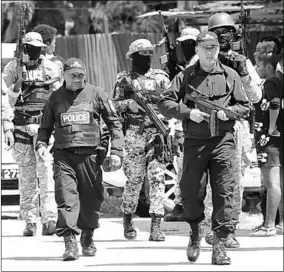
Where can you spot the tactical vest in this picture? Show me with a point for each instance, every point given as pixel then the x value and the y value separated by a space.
pixel 35 92
pixel 76 125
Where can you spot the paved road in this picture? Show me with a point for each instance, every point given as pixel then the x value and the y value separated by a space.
pixel 43 253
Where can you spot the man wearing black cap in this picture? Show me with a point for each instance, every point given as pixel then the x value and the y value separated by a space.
pixel 74 112
pixel 202 150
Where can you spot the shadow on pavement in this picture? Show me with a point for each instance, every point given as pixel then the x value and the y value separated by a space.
pixel 33 258
pixel 205 249
pixel 146 264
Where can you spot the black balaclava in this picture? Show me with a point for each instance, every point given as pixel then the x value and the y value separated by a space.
pixel 188 49
pixel 33 51
pixel 142 63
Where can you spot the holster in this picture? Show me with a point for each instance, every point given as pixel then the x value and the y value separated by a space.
pixel 22 137
pixel 213 123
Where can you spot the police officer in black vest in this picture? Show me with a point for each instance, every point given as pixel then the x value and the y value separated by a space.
pixel 74 112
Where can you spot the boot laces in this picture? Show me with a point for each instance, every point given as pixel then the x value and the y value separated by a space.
pixel 220 248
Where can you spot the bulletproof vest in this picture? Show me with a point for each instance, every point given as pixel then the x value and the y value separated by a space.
pixel 76 125
pixel 34 97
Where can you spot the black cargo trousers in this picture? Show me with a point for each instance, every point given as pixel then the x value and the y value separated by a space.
pixel 217 156
pixel 79 192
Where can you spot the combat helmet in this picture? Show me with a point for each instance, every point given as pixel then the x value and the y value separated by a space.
pixel 139 45
pixel 188 33
pixel 219 20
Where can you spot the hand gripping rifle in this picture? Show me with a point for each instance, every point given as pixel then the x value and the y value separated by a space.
pixel 201 99
pixel 244 19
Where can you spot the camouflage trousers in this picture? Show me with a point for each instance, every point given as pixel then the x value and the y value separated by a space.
pixel 177 191
pixel 243 147
pixel 35 180
pixel 136 170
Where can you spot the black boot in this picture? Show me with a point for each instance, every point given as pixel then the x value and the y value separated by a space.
pixel 175 215
pixel 193 248
pixel 30 229
pixel 49 228
pixel 87 243
pixel 155 232
pixel 71 248
pixel 219 255
pixel 129 230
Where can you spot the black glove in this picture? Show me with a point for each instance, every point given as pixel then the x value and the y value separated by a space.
pixel 102 152
pixel 241 65
pixel 235 61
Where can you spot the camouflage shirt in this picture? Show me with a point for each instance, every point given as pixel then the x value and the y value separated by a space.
pixel 152 83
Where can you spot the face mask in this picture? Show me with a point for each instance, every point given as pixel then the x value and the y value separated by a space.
pixel 188 49
pixel 33 51
pixel 143 62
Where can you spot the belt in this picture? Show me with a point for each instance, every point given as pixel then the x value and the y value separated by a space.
pixel 22 121
pixel 27 117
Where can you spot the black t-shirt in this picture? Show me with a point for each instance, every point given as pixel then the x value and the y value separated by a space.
pixel 272 96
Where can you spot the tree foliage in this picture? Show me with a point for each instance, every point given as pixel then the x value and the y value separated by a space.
pixel 86 16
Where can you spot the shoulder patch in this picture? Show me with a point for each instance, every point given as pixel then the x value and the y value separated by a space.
pixel 122 74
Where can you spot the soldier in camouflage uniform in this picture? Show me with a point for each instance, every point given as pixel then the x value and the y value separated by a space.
pixel 223 25
pixel 32 84
pixel 139 162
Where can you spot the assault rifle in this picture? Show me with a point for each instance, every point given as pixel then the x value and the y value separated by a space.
pixel 170 58
pixel 245 19
pixel 201 99
pixel 20 53
pixel 163 143
pixel 142 102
